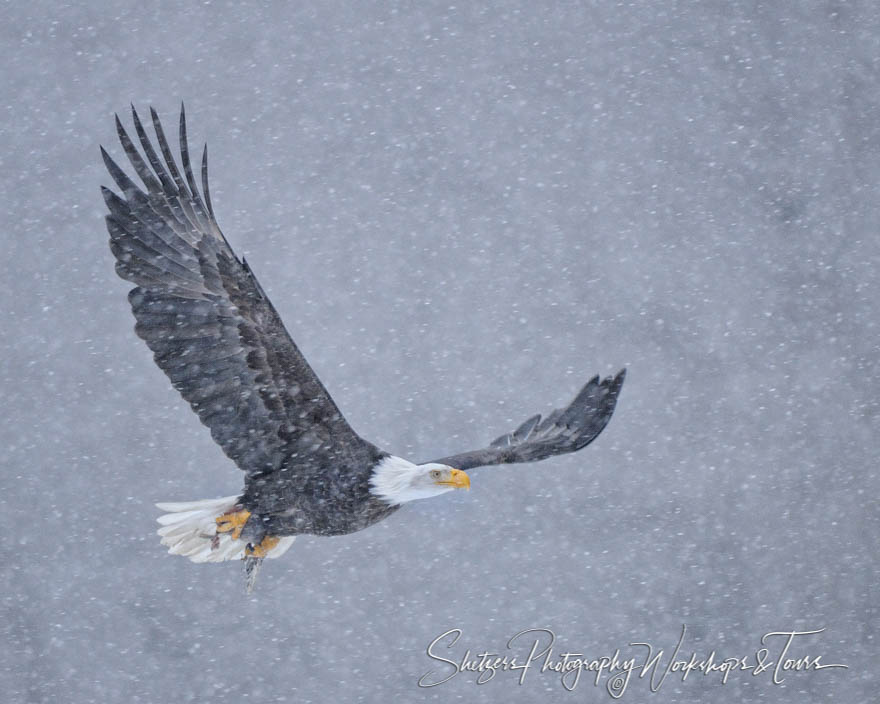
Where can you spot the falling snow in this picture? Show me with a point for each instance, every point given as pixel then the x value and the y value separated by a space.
pixel 462 213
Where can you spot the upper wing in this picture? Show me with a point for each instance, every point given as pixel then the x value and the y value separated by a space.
pixel 564 430
pixel 209 324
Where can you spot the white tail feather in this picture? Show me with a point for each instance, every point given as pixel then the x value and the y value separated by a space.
pixel 190 529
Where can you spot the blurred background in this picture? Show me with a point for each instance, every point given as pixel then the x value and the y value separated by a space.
pixel 462 213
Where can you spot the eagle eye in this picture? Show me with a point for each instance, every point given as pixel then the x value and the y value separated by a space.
pixel 435 473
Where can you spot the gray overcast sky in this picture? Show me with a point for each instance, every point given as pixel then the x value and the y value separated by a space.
pixel 462 213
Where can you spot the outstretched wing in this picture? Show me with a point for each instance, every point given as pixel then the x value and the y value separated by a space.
pixel 564 430
pixel 209 324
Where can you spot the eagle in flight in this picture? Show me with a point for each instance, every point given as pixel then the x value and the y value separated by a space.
pixel 217 336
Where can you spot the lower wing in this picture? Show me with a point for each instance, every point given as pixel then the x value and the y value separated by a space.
pixel 564 430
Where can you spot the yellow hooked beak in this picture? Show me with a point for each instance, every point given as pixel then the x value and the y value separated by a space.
pixel 457 480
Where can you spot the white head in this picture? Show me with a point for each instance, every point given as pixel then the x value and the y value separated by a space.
pixel 396 481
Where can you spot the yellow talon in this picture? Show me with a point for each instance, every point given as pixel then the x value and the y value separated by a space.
pixel 261 550
pixel 233 521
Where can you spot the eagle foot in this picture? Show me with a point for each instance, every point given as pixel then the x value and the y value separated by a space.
pixel 261 550
pixel 232 522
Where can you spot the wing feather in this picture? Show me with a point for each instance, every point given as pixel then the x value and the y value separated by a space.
pixel 204 221
pixel 168 184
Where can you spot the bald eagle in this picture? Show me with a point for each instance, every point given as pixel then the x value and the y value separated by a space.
pixel 214 332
